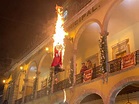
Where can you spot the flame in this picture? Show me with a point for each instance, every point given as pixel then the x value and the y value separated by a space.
pixel 59 32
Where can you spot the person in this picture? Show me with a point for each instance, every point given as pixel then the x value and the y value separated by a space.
pixel 89 64
pixel 88 73
pixel 83 68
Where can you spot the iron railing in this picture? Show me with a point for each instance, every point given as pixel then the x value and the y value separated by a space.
pixel 43 92
pixel 62 85
pixel 115 65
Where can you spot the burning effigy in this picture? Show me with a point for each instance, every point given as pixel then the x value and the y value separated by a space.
pixel 58 45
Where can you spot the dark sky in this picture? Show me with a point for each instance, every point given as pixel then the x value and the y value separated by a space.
pixel 22 24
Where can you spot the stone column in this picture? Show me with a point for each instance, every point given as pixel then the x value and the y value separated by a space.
pixel 11 92
pixel 5 96
pixel 36 82
pixel 74 66
pixel 52 81
pixel 24 89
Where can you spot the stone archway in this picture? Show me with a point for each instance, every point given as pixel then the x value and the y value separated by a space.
pixel 108 14
pixel 31 78
pixel 83 27
pixel 92 98
pixel 128 94
pixel 119 86
pixel 44 70
pixel 86 43
pixel 90 94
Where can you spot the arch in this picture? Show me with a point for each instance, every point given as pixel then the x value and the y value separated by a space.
pixel 43 70
pixel 82 28
pixel 108 13
pixel 29 66
pixel 41 60
pixel 80 96
pixel 30 78
pixel 119 86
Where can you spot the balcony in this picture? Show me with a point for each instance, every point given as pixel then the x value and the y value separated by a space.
pixel 116 66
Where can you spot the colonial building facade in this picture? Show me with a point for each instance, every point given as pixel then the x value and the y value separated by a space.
pixel 106 33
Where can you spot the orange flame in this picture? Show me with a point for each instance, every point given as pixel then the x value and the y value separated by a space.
pixel 59 32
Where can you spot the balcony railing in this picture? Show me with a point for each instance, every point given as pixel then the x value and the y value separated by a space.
pixel 124 62
pixel 115 65
pixel 62 85
pixel 43 92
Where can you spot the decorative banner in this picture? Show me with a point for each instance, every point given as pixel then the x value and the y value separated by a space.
pixel 87 76
pixel 128 61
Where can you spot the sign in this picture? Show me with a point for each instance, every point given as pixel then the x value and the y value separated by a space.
pixel 128 61
pixel 87 76
pixel 80 19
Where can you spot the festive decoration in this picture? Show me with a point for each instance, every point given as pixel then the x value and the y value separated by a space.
pixel 103 48
pixel 71 72
pixel 50 82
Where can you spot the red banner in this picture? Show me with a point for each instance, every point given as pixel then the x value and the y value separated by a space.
pixel 128 61
pixel 87 76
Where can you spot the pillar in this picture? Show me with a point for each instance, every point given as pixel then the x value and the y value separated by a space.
pixel 24 90
pixel 104 55
pixel 5 96
pixel 36 82
pixel 104 52
pixel 74 66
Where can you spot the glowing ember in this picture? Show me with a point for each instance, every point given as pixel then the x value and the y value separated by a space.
pixel 59 33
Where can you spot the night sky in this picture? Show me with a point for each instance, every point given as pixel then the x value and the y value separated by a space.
pixel 22 26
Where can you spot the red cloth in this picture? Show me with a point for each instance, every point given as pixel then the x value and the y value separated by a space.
pixel 57 60
pixel 87 75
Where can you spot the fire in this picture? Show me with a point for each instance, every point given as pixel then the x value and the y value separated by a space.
pixel 59 32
